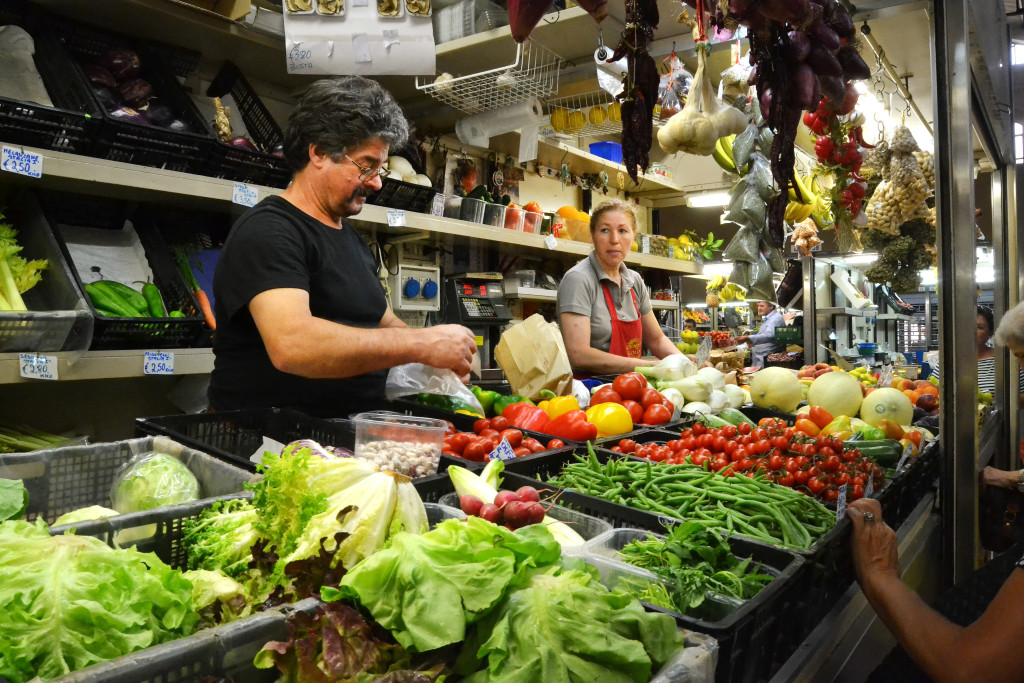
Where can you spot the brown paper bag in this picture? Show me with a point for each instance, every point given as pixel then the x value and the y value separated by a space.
pixel 533 357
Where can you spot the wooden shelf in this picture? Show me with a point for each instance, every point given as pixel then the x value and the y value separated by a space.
pixel 661 305
pixel 893 316
pixel 849 312
pixel 107 364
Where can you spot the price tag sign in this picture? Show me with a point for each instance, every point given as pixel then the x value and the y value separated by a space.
pixel 907 450
pixel 37 366
pixel 841 503
pixel 14 160
pixel 246 195
pixel 704 351
pixel 437 207
pixel 301 58
pixel 158 363
pixel 503 451
pixel 671 251
pixel 550 242
pixel 396 218
pixel 645 244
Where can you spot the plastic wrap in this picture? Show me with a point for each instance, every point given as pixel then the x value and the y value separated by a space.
pixel 743 246
pixel 150 480
pixel 417 378
pixel 741 274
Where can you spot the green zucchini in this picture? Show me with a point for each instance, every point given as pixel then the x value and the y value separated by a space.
pixel 713 421
pixel 884 452
pixel 735 417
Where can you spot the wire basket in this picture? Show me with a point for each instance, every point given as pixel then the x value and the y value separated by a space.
pixel 532 74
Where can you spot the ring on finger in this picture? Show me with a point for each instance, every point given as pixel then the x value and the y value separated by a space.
pixel 868 517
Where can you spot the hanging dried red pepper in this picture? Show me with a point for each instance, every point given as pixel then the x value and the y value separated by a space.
pixel 640 93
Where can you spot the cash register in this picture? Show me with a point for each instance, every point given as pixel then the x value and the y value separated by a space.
pixel 477 300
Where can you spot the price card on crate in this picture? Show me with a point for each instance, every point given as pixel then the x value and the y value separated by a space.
pixel 158 363
pixel 869 488
pixel 551 241
pixel 704 351
pixel 396 218
pixel 16 160
pixel 37 366
pixel 907 451
pixel 503 451
pixel 437 206
pixel 244 194
pixel 841 504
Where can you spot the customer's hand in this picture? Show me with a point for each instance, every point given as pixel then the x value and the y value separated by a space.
pixel 875 551
pixel 1002 479
pixel 449 346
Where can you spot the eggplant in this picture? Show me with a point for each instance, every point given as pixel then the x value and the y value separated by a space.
pixel 277 151
pixel 158 113
pixel 108 99
pixel 97 75
pixel 130 115
pixel 178 126
pixel 243 142
pixel 122 64
pixel 854 68
pixel 136 92
pixel 823 62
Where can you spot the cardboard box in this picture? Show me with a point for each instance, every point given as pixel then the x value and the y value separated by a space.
pixel 232 9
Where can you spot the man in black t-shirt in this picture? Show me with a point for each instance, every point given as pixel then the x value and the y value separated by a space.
pixel 302 319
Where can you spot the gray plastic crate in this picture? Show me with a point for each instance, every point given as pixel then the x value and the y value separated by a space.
pixel 60 480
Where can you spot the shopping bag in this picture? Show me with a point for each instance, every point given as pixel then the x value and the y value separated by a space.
pixel 533 357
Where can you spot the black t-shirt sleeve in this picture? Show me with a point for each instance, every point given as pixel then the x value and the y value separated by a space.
pixel 264 255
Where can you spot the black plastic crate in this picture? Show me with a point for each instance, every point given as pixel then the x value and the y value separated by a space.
pixel 130 333
pixel 240 164
pixel 233 436
pixel 907 487
pixel 71 124
pixel 58 316
pixel 756 414
pixel 137 143
pixel 398 194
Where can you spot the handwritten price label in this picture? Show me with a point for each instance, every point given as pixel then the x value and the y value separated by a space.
pixel 550 242
pixel 503 451
pixel 841 503
pixel 300 59
pixel 243 194
pixel 37 366
pixel 158 363
pixel 437 207
pixel 396 218
pixel 14 160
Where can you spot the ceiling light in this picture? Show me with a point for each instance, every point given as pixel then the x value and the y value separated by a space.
pixel 717 269
pixel 861 259
pixel 707 199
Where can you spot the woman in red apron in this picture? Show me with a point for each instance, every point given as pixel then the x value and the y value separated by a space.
pixel 603 307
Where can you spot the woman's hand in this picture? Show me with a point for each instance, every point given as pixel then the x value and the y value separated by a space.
pixel 875 552
pixel 1002 479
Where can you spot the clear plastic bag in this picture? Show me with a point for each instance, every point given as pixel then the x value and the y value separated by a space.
pixel 740 275
pixel 762 288
pixel 743 246
pixel 151 480
pixel 417 378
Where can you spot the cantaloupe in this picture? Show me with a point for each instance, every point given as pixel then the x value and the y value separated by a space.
pixel 776 389
pixel 886 404
pixel 836 392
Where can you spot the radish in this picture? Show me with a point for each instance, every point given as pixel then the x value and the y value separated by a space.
pixel 490 512
pixel 528 494
pixel 517 514
pixel 505 497
pixel 536 512
pixel 471 505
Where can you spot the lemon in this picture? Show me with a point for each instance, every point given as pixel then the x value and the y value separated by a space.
pixel 597 115
pixel 615 111
pixel 560 119
pixel 576 121
pixel 634 246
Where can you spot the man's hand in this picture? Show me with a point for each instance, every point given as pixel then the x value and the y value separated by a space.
pixel 875 550
pixel 1002 479
pixel 449 346
pixel 742 339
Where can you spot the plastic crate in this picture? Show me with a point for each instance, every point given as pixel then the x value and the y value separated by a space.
pixel 136 143
pixel 60 480
pixel 465 18
pixel 906 488
pixel 612 151
pixel 234 436
pixel 756 414
pixel 240 164
pixel 71 124
pixel 398 194
pixel 130 333
pixel 58 317
pixel 747 631
pixel 789 335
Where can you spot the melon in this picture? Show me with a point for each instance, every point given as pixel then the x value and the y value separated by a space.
pixel 836 392
pixel 886 404
pixel 400 166
pixel 776 389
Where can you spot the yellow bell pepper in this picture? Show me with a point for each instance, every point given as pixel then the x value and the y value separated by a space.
pixel 840 424
pixel 559 405
pixel 610 419
pixel 468 412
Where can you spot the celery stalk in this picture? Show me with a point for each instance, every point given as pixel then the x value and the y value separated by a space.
pixel 8 288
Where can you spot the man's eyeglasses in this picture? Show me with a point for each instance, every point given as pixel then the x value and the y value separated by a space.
pixel 366 173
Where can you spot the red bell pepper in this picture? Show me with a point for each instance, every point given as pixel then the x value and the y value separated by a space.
pixel 572 425
pixel 526 416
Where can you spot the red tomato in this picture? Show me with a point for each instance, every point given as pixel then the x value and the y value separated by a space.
pixel 534 445
pixel 636 411
pixel 514 437
pixel 616 449
pixel 555 443
pixel 831 496
pixel 476 450
pixel 458 442
pixel 675 445
pixel 499 423
pixel 449 428
pixel 856 492
pixel 743 428
pixel 787 480
pixel 656 414
pixel 801 477
pixel 481 424
pixel 639 376
pixel 628 445
pixel 488 433
pixel 698 459
pixel 605 395
pixel 780 442
pixel 628 386
pixel 729 432
pixel 826 451
pixel 841 479
pixel 776 462
pixel 718 445
pixel 792 465
pixel 816 485
pixel 521 451
pixel 651 396
pixel 699 429
pixel 819 416
pixel 831 464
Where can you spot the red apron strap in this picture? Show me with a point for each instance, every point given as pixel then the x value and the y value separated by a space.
pixel 627 337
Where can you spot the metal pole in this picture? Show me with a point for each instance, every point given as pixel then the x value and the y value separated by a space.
pixel 1005 397
pixel 954 206
pixel 810 321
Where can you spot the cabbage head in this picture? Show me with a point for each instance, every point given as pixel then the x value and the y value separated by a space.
pixel 151 480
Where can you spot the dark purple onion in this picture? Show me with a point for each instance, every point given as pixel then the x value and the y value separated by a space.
pixel 801 86
pixel 122 64
pixel 823 62
pixel 766 102
pixel 243 142
pixel 158 113
pixel 97 75
pixel 825 36
pixel 801 45
pixel 136 92
pixel 832 87
pixel 854 68
pixel 842 24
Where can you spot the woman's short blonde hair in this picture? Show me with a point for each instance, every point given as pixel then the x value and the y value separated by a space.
pixel 612 205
